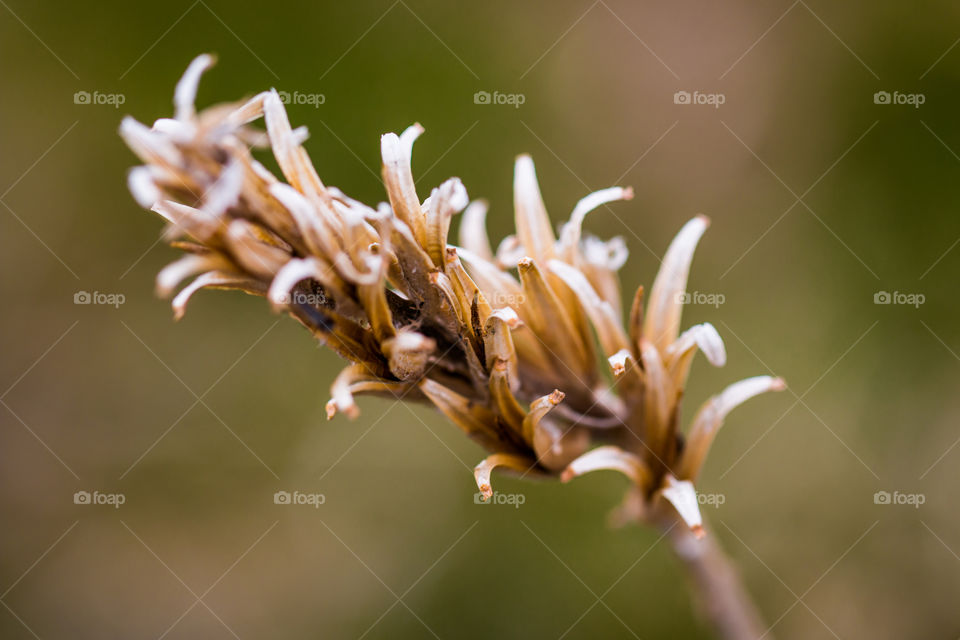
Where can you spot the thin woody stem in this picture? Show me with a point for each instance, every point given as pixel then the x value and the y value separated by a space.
pixel 717 588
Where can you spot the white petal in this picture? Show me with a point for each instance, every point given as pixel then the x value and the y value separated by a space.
pixel 289 276
pixel 683 497
pixel 620 361
pixel 151 146
pixel 482 471
pixel 225 192
pixel 570 236
pixel 141 185
pixel 609 458
pixel 473 230
pixel 610 254
pixel 209 279
pixel 739 392
pixel 532 222
pixel 710 418
pixel 176 272
pixel 662 321
pixel 706 337
pixel 397 153
pixel 186 91
pixel 601 314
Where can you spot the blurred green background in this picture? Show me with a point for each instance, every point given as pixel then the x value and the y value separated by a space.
pixel 820 198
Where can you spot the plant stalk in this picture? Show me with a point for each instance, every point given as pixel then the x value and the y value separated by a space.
pixel 718 590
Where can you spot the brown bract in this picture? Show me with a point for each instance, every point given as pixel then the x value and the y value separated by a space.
pixel 523 348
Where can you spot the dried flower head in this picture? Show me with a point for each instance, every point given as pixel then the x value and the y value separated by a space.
pixel 537 367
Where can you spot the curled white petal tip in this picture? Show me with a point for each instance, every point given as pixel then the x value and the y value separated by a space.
pixel 186 92
pixel 481 472
pixel 570 236
pixel 619 361
pixel 683 496
pixel 706 337
pixel 209 279
pixel 351 410
pixel 611 458
pixel 739 392
pixel 508 316
pixel 287 278
pixel 399 148
pixel 412 132
pixel 176 272
pixel 142 186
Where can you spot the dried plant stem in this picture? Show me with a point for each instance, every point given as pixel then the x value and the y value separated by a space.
pixel 718 590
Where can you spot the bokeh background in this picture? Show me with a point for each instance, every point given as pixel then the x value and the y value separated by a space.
pixel 820 199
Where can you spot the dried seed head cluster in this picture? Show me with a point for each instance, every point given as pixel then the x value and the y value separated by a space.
pixel 523 348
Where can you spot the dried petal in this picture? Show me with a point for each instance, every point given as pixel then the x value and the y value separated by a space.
pixel 662 322
pixel 214 280
pixel 570 235
pixel 473 230
pixel 445 201
pixel 397 153
pixel 533 224
pixel 613 459
pixel 659 397
pixel 605 323
pixel 681 352
pixel 710 418
pixel 190 265
pixel 551 322
pixel 186 92
pixel 683 497
pixel 482 471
